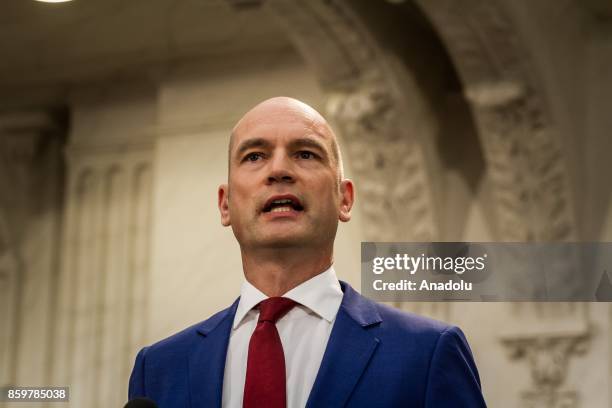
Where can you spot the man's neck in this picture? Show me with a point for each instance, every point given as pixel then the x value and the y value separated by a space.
pixel 275 271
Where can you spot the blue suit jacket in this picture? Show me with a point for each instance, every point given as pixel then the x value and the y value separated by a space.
pixel 377 356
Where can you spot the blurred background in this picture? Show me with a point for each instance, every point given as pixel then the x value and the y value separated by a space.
pixel 465 120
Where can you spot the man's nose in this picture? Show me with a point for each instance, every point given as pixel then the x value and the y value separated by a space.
pixel 281 169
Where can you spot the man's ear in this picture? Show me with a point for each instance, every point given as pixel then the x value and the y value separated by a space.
pixel 223 203
pixel 347 198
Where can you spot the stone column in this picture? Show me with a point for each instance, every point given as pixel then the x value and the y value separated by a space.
pixel 30 176
pixel 104 271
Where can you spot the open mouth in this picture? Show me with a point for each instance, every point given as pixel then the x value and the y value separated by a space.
pixel 283 205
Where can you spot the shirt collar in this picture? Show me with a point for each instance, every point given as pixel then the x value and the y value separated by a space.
pixel 321 294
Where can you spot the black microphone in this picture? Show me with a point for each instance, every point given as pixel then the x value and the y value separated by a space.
pixel 141 403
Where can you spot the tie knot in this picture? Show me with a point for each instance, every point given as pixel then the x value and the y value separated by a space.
pixel 272 309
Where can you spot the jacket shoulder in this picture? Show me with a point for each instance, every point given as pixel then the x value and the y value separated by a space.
pixel 184 337
pixel 409 322
pixel 385 319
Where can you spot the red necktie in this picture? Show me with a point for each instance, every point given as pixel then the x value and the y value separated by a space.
pixel 265 384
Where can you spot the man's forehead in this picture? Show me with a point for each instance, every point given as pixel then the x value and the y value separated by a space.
pixel 282 105
pixel 273 121
pixel 275 112
pixel 267 118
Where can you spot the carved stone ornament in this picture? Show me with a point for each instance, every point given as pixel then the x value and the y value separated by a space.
pixel 387 161
pixel 548 356
pixel 522 148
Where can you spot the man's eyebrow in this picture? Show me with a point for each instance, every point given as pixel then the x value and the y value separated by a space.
pixel 308 142
pixel 263 143
pixel 251 143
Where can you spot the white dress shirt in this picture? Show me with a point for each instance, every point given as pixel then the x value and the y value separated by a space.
pixel 304 332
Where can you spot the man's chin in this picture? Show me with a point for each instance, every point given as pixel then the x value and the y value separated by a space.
pixel 284 244
pixel 280 241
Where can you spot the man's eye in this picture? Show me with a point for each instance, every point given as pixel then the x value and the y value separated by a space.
pixel 306 155
pixel 252 157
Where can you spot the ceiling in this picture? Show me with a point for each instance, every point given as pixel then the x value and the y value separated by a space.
pixel 63 42
pixel 55 45
pixel 601 9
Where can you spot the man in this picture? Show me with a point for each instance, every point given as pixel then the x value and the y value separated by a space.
pixel 297 336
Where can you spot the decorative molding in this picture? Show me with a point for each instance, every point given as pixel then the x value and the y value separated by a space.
pixel 548 355
pixel 387 161
pixel 105 271
pixel 24 139
pixel 26 121
pixel 29 153
pixel 522 148
pixel 8 293
pixel 524 155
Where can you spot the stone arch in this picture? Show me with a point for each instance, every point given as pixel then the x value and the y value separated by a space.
pixel 520 146
pixel 366 105
pixel 522 149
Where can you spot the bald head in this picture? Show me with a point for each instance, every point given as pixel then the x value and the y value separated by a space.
pixel 284 109
pixel 284 149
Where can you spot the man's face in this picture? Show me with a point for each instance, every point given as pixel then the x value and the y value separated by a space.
pixel 284 188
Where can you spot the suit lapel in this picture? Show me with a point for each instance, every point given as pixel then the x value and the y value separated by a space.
pixel 207 359
pixel 350 348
